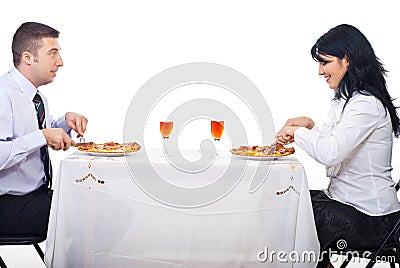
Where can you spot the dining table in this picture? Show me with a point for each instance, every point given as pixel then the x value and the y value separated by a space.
pixel 187 209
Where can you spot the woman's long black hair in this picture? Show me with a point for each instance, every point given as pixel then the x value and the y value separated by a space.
pixel 365 74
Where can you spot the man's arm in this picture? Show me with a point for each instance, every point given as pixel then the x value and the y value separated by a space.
pixel 14 150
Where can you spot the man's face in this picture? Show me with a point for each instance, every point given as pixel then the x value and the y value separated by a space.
pixel 45 65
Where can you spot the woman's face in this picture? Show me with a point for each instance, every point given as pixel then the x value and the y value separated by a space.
pixel 333 69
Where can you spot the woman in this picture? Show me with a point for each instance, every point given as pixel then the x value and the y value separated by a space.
pixel 360 205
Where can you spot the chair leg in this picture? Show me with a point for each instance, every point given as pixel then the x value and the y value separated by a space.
pixel 2 264
pixel 39 251
pixel 346 261
pixel 370 264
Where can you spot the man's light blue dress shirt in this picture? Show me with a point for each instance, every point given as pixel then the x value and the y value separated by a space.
pixel 21 170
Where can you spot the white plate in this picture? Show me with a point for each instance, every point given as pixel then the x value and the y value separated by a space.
pixel 106 154
pixel 257 158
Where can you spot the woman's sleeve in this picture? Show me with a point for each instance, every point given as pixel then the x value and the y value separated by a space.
pixel 360 118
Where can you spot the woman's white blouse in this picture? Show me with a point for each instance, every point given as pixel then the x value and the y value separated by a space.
pixel 355 145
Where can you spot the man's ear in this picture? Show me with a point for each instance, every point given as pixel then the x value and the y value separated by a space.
pixel 27 57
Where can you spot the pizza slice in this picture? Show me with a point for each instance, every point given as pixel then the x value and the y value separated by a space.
pixel 263 151
pixel 110 147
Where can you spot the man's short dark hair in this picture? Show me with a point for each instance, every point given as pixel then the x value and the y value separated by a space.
pixel 28 38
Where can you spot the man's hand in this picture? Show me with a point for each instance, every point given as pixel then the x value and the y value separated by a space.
pixel 77 122
pixel 57 138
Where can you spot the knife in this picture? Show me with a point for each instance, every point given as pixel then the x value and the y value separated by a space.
pixel 81 144
pixel 272 148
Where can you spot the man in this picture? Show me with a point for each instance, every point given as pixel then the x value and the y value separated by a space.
pixel 27 130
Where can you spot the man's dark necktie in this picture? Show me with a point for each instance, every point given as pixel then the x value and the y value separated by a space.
pixel 44 151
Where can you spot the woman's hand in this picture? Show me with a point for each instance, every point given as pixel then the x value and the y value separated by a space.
pixel 285 135
pixel 301 121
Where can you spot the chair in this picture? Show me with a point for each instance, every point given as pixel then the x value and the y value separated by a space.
pixel 8 240
pixel 389 249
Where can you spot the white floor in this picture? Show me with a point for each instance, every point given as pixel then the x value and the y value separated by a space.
pixel 22 256
pixel 26 256
pixel 358 263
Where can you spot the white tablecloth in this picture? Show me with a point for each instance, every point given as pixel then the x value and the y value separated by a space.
pixel 100 217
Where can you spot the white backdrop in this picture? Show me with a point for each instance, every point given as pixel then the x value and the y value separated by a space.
pixel 111 48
